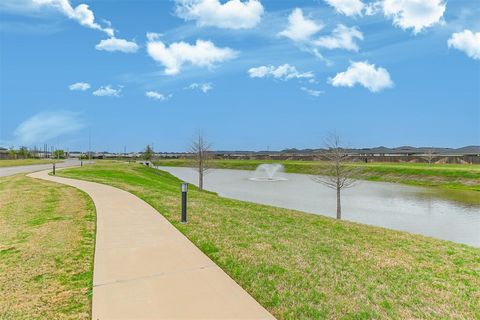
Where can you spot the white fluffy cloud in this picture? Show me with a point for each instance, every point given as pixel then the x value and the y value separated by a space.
pixel 347 7
pixel 108 91
pixel 303 32
pixel 342 38
pixel 204 87
pixel 413 14
pixel 174 56
pixel 283 72
pixel 233 14
pixel 79 86
pixel 47 125
pixel 115 44
pixel 312 92
pixel 154 95
pixel 466 41
pixel 81 13
pixel 365 74
pixel 300 29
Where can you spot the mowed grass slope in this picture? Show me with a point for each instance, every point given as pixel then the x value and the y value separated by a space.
pixel 47 234
pixel 302 266
pixel 452 176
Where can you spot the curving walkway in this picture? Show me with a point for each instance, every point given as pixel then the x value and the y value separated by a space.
pixel 145 268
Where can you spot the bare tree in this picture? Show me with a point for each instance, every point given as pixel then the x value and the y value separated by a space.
pixel 429 155
pixel 201 150
pixel 338 174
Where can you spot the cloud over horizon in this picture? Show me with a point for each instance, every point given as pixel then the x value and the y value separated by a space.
pixel 45 126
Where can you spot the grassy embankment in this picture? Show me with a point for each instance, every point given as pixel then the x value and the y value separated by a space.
pixel 25 162
pixel 302 266
pixel 47 234
pixel 451 176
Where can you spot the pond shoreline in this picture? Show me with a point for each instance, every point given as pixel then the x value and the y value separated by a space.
pixel 442 176
pixel 394 206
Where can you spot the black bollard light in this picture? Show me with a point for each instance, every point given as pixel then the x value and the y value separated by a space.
pixel 54 168
pixel 81 163
pixel 184 202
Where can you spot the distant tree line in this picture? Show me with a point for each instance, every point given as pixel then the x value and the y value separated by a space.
pixel 24 153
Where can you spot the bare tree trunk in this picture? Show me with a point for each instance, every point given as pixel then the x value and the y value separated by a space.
pixel 200 148
pixel 200 169
pixel 339 205
pixel 200 172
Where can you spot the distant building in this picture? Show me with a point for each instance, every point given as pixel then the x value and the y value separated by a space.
pixel 3 153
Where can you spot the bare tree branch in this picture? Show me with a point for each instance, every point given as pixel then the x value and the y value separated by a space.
pixel 429 155
pixel 201 157
pixel 338 174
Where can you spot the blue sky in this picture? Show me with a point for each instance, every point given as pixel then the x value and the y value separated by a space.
pixel 250 75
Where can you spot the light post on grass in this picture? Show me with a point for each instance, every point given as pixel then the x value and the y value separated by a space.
pixel 184 202
pixel 54 168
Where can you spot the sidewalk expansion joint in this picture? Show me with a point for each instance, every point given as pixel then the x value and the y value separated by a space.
pixel 155 275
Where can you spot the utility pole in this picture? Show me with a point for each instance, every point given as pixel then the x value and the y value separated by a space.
pixel 89 145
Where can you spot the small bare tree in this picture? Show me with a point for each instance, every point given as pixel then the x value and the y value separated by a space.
pixel 201 156
pixel 337 175
pixel 429 155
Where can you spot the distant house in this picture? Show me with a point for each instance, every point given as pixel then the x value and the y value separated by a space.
pixel 75 154
pixel 3 153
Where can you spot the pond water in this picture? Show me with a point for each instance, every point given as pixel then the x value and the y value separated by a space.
pixel 389 205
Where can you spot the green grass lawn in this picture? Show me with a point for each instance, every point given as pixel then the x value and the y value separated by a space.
pixel 24 162
pixel 303 266
pixel 452 176
pixel 47 234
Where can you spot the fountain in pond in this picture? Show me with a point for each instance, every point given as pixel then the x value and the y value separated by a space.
pixel 268 172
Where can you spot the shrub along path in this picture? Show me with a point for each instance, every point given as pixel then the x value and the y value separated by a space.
pixel 145 268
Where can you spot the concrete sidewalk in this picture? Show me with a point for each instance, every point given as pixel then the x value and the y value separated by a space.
pixel 146 269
